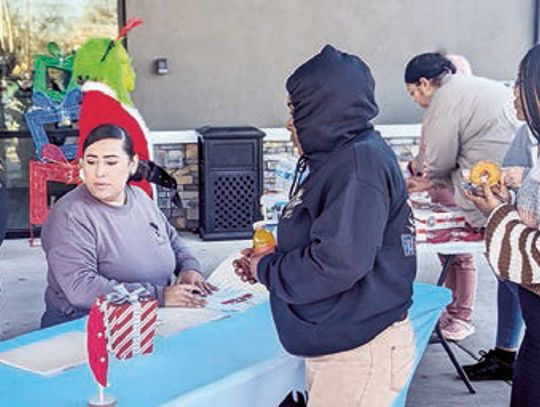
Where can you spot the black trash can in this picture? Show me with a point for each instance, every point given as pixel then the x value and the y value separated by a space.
pixel 230 181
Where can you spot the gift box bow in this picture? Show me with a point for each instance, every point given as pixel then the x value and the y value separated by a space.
pixel 130 319
pixel 121 295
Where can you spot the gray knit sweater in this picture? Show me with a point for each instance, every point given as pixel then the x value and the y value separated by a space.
pixel 91 247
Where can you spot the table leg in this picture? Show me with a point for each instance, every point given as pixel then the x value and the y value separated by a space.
pixel 446 266
pixel 454 361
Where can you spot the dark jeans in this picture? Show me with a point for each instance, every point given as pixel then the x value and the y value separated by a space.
pixel 53 317
pixel 509 319
pixel 526 386
pixel 45 111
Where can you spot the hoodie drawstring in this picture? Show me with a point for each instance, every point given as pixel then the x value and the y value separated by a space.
pixel 301 166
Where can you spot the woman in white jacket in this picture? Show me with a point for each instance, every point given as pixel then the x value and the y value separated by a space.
pixel 467 119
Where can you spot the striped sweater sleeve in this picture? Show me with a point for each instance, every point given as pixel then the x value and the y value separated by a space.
pixel 513 248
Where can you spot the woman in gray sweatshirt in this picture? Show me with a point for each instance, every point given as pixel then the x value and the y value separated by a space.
pixel 106 232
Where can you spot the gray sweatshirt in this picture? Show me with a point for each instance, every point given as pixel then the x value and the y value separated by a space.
pixel 469 119
pixel 91 247
pixel 523 152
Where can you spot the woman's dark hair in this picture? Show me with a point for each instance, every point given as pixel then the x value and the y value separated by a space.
pixel 431 65
pixel 529 88
pixel 110 131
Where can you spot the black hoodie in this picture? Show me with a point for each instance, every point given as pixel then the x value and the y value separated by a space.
pixel 346 260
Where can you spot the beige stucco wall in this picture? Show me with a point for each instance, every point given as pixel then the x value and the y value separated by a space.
pixel 228 59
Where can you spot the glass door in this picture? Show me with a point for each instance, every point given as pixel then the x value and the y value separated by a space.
pixel 27 27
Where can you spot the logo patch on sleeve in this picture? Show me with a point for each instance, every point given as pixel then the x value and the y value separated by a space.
pixel 408 243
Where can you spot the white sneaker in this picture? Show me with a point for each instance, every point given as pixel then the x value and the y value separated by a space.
pixel 457 330
pixel 445 320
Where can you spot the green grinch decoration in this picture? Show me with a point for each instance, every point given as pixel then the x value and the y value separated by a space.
pixel 103 67
pixel 52 73
pixel 106 61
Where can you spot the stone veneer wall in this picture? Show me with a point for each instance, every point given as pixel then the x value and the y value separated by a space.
pixel 181 161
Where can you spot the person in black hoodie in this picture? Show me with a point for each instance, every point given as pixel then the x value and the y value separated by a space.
pixel 340 279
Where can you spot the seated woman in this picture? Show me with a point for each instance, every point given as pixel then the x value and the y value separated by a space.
pixel 106 232
pixel 513 240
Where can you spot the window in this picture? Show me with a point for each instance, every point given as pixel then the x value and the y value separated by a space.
pixel 27 29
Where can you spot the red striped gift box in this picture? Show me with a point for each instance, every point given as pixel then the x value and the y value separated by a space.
pixel 130 320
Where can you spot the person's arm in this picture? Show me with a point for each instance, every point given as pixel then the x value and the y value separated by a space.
pixel 345 239
pixel 70 248
pixel 441 132
pixel 513 248
pixel 518 153
pixel 416 165
pixel 517 160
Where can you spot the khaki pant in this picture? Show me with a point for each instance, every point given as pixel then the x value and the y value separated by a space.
pixel 371 375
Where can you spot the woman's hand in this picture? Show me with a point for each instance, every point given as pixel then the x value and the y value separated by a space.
pixel 412 167
pixel 242 266
pixel 490 199
pixel 501 191
pixel 193 277
pixel 246 266
pixel 183 295
pixel 418 184
pixel 513 176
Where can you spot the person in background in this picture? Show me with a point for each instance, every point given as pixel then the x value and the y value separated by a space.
pixel 340 280
pixel 467 119
pixel 498 363
pixel 461 63
pixel 106 232
pixel 512 240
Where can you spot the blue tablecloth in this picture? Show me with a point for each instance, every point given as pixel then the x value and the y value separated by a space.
pixel 237 361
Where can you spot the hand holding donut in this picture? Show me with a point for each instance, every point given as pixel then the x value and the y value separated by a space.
pixel 485 172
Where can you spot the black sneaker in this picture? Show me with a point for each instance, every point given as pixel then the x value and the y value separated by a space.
pixel 491 366
pixel 289 401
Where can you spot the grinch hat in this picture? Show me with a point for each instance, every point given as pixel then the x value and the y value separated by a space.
pixel 106 60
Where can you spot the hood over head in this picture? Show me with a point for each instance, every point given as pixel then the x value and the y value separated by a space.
pixel 333 99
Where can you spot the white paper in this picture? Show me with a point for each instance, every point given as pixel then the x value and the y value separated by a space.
pixel 231 287
pixel 49 356
pixel 173 320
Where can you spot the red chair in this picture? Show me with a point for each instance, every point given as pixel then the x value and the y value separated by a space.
pixel 39 174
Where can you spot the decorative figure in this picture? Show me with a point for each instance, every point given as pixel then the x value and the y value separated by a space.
pixel 52 73
pixel 104 68
pixel 55 98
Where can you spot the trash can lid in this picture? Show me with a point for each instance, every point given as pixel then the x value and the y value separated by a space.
pixel 209 132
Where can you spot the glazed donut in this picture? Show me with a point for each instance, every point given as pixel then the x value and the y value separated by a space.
pixel 485 171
